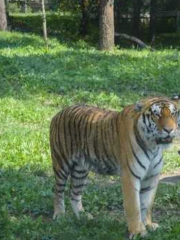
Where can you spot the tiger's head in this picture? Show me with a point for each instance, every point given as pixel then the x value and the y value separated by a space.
pixel 159 119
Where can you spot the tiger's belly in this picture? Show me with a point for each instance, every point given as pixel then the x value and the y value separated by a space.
pixel 104 167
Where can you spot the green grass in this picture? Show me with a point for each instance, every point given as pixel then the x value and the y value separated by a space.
pixel 35 84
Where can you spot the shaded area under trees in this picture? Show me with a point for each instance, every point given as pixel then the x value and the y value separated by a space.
pixel 137 19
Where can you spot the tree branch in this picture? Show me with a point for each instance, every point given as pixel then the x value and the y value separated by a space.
pixel 133 39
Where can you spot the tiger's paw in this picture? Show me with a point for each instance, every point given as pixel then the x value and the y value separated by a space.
pixel 135 235
pixel 140 230
pixel 57 214
pixel 153 226
pixel 89 216
pixel 85 215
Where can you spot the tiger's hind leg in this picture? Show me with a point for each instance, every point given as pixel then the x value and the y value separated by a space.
pixel 78 182
pixel 61 176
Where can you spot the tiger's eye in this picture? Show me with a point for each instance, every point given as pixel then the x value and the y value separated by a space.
pixel 157 115
pixel 173 114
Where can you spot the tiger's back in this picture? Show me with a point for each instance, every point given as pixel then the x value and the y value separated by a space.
pixel 85 135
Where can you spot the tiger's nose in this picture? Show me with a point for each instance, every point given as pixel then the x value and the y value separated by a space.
pixel 168 130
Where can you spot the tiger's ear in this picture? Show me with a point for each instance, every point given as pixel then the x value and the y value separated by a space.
pixel 138 106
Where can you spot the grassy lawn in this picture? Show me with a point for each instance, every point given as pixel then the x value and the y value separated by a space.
pixel 35 83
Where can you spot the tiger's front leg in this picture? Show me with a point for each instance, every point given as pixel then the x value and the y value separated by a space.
pixel 132 206
pixel 147 196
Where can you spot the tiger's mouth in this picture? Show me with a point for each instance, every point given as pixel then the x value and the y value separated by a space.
pixel 166 140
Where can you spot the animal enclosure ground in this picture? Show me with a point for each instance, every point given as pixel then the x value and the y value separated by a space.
pixel 35 84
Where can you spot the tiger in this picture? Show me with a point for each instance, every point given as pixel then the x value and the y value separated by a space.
pixel 128 143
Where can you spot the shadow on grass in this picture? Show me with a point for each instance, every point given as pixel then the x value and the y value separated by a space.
pixel 26 210
pixel 18 41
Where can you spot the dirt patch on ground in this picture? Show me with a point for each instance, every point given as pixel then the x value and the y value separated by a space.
pixel 170 179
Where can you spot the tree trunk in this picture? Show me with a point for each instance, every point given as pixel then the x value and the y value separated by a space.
pixel 106 25
pixel 152 29
pixel 8 18
pixel 44 23
pixel 3 18
pixel 136 17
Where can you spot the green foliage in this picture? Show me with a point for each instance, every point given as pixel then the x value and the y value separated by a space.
pixel 13 8
pixel 63 25
pixel 35 84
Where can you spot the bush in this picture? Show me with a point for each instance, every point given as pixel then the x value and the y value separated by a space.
pixel 13 8
pixel 66 25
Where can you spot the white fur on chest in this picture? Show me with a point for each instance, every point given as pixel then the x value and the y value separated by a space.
pixel 156 164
